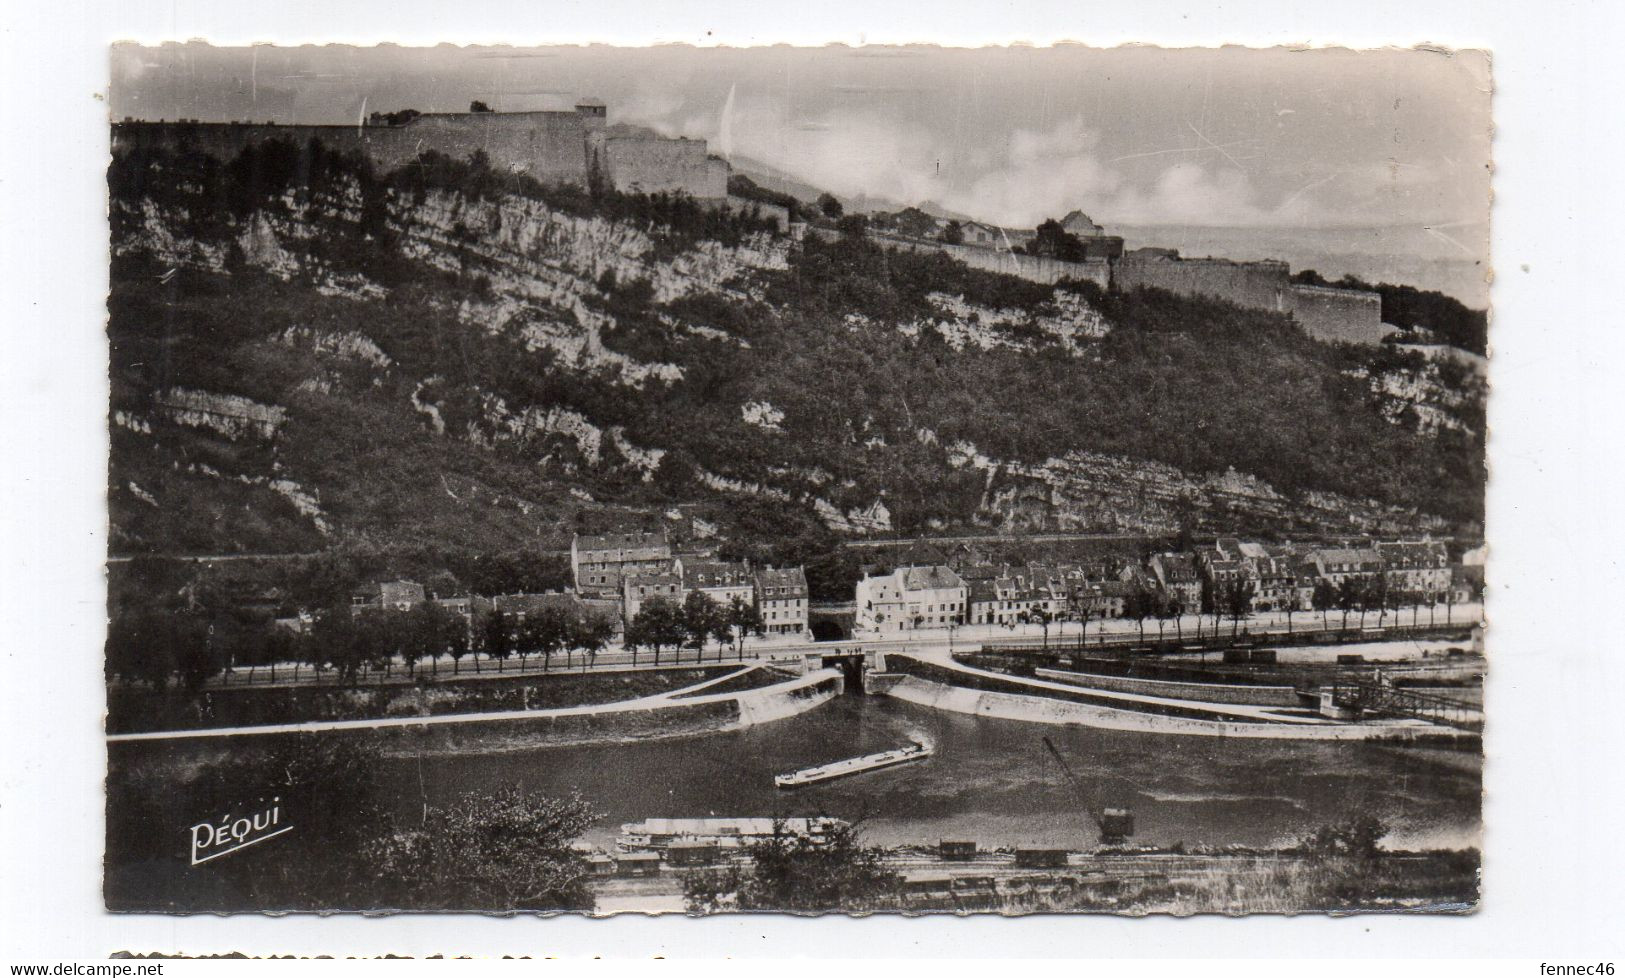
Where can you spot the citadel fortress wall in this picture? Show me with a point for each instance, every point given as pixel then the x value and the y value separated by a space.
pixel 1331 314
pixel 566 146
pixel 553 147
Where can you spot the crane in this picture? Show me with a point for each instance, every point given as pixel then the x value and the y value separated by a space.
pixel 1116 825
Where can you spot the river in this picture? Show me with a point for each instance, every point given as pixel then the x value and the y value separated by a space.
pixel 990 780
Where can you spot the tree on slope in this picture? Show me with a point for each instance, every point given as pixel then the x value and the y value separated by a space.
pixel 798 874
pixel 508 851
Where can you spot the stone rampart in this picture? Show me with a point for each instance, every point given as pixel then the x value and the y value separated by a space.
pixel 648 163
pixel 1337 315
pixel 1045 271
pixel 553 147
pixel 550 146
pixel 1254 285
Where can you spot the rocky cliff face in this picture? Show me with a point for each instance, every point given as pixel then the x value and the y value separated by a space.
pixel 498 369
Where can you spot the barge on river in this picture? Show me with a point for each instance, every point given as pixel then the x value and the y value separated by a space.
pixel 854 765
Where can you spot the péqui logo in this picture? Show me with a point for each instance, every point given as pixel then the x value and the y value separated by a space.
pixel 211 840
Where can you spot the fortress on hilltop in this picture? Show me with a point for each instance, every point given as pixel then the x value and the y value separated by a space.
pixel 553 146
pixel 578 146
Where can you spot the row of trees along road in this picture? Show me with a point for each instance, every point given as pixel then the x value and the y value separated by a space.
pixel 1233 600
pixel 1376 594
pixel 154 646
pixel 662 624
pixel 1141 603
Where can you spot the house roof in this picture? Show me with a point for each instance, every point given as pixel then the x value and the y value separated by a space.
pixel 528 604
pixel 1079 219
pixel 392 592
pixel 786 577
pixel 927 578
pixel 715 573
pixel 1176 568
pixel 984 589
pixel 1347 555
pixel 621 541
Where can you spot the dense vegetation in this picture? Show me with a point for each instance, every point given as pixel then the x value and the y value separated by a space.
pixel 867 406
pixel 1443 318
pixel 1337 867
pixel 505 851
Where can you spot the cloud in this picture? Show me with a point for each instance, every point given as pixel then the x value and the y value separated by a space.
pixel 1041 174
pixel 1038 173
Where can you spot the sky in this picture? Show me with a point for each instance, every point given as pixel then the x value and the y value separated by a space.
pixel 1276 141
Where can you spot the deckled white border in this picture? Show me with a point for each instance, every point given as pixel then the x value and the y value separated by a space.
pixel 1557 338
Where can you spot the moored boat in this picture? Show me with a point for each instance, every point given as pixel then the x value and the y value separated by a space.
pixel 854 765
pixel 726 833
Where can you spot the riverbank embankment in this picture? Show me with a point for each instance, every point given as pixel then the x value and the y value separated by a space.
pixel 947 685
pixel 667 714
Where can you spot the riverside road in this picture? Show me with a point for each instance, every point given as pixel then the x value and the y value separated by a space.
pixel 1272 629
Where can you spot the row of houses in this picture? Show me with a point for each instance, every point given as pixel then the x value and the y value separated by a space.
pixel 634 568
pixel 975 591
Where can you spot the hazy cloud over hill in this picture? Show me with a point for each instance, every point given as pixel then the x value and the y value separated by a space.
pixel 1141 136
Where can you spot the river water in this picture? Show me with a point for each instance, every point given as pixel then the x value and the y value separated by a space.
pixel 990 780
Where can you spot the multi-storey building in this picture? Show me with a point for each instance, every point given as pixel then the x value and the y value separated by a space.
pixel 781 597
pixel 1176 574
pixel 721 581
pixel 1338 564
pixel 599 563
pixel 1276 584
pixel 639 589
pixel 1421 566
pixel 910 598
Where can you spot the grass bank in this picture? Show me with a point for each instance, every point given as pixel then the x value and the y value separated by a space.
pixel 139 709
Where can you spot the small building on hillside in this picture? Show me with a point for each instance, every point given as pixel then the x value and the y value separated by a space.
pixel 1080 224
pixel 911 598
pixel 781 597
pixel 388 596
pixel 979 235
pixel 599 562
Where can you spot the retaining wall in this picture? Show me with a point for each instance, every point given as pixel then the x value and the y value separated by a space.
pixel 649 718
pixel 1038 709
pixel 1199 692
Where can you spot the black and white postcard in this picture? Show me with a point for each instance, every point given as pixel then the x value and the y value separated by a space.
pixel 863 479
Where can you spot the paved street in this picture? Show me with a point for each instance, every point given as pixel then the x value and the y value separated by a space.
pixel 959 639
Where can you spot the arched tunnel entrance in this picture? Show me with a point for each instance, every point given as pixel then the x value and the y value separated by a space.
pixel 831 622
pixel 828 631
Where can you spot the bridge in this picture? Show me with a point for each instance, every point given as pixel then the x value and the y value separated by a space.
pixel 1384 700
